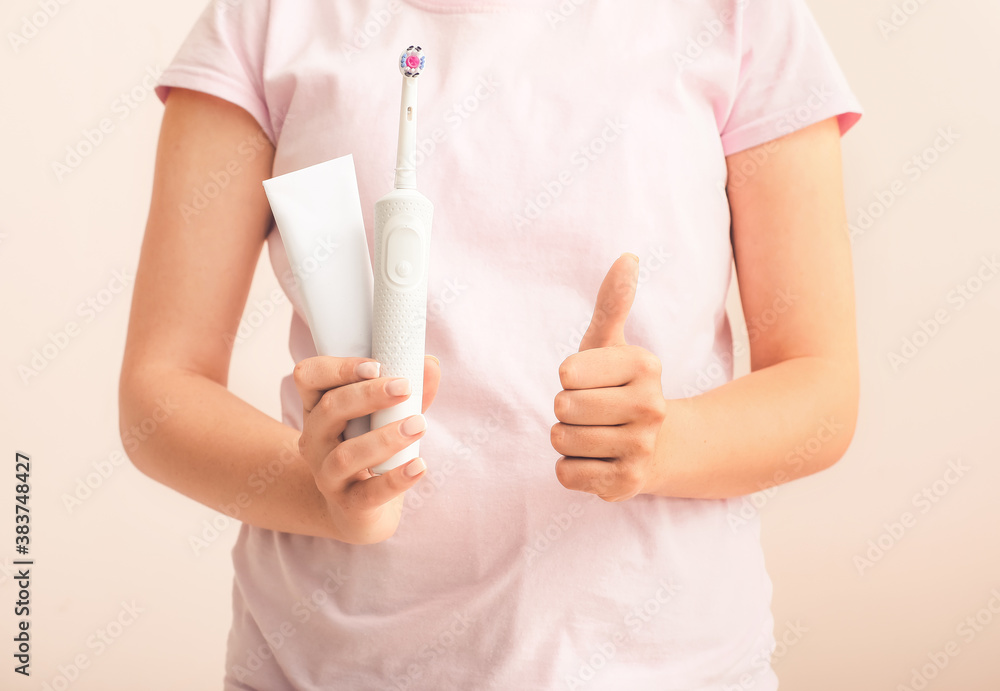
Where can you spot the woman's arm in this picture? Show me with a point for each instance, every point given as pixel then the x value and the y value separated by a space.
pixel 794 414
pixel 194 275
pixel 179 423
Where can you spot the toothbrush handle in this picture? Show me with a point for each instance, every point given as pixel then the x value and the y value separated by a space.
pixel 399 311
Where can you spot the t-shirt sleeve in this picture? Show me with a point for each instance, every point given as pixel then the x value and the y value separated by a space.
pixel 223 55
pixel 788 76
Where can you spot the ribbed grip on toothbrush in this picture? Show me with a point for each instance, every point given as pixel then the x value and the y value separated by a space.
pixel 399 311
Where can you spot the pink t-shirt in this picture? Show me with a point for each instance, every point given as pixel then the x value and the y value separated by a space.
pixel 554 137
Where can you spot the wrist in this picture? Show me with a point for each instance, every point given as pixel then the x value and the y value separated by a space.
pixel 667 456
pixel 311 507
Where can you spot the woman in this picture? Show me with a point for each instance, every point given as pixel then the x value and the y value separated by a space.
pixel 578 517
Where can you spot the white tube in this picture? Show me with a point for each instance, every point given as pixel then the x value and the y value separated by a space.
pixel 316 209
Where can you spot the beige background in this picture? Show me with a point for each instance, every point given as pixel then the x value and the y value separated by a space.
pixel 61 242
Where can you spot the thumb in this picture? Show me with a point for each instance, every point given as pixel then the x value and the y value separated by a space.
pixel 614 300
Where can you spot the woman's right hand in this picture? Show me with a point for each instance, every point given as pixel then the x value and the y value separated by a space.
pixel 363 509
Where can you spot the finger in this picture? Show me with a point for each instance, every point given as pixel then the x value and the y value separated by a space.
pixel 327 420
pixel 602 367
pixel 610 480
pixel 614 300
pixel 370 449
pixel 316 375
pixel 614 405
pixel 432 379
pixel 592 441
pixel 381 489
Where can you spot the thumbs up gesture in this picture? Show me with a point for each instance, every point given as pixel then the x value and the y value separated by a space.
pixel 611 410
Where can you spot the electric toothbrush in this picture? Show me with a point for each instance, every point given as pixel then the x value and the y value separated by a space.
pixel 402 252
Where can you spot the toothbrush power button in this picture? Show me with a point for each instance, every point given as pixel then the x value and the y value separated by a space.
pixel 403 256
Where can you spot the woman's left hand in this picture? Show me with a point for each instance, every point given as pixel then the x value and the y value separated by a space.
pixel 611 411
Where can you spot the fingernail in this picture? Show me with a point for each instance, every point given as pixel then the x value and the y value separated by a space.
pixel 413 425
pixel 630 255
pixel 415 467
pixel 398 387
pixel 367 370
pixel 435 358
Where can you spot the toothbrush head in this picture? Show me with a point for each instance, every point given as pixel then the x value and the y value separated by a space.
pixel 411 61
